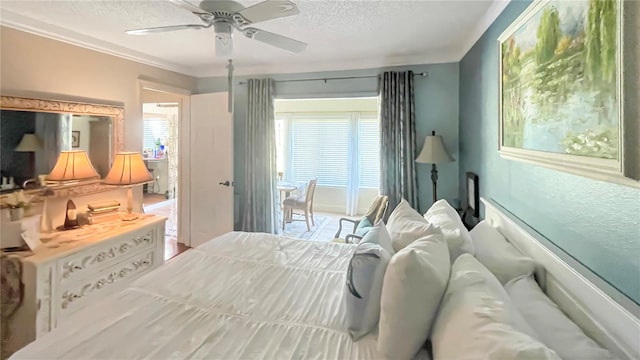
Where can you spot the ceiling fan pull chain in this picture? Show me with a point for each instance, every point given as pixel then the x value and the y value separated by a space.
pixel 230 85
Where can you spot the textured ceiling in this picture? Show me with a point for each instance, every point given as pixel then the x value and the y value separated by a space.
pixel 340 34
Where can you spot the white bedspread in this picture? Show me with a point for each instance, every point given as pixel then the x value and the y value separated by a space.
pixel 239 296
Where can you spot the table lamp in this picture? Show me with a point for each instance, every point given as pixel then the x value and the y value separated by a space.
pixel 434 152
pixel 71 167
pixel 30 143
pixel 128 170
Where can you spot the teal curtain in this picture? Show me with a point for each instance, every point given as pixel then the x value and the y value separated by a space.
pixel 261 207
pixel 398 139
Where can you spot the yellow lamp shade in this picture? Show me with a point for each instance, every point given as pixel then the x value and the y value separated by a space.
pixel 128 169
pixel 73 165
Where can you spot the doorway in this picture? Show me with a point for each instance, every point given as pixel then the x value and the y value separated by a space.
pixel 161 114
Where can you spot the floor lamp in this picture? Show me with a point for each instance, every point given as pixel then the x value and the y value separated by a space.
pixel 434 152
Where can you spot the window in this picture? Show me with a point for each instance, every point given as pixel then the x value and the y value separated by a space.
pixel 319 149
pixel 155 129
pixel 320 138
pixel 369 152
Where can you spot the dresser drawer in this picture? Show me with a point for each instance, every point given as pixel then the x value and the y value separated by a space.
pixel 83 264
pixel 74 296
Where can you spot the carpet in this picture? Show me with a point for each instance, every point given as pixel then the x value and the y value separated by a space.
pixel 298 229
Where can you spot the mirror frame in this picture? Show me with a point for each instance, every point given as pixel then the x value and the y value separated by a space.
pixel 76 108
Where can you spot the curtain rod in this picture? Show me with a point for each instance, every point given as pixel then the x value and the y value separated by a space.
pixel 423 74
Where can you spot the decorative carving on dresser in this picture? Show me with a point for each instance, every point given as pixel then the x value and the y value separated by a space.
pixel 73 267
pixel 44 318
pixel 134 266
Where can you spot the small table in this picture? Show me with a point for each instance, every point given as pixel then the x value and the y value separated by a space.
pixel 287 189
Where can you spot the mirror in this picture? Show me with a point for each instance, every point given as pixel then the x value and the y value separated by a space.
pixel 34 131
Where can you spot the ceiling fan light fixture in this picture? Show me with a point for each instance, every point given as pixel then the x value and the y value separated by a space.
pixel 222 28
pixel 225 16
pixel 224 45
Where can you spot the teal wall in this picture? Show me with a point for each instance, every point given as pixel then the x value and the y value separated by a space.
pixel 436 99
pixel 595 222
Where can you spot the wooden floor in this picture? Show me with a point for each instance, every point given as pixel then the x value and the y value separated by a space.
pixel 173 248
pixel 149 199
pixel 171 245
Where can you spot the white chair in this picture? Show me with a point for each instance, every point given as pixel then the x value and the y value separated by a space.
pixel 375 213
pixel 302 202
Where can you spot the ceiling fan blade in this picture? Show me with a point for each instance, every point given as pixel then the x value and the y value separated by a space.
pixel 270 9
pixel 160 29
pixel 276 40
pixel 224 45
pixel 188 6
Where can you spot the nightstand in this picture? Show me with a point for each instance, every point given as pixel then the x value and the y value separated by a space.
pixel 86 265
pixel 464 216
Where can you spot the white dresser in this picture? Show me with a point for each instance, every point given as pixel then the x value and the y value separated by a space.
pixel 90 263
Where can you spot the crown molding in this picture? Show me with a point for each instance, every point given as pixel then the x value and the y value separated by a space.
pixel 36 27
pixel 432 57
pixel 481 26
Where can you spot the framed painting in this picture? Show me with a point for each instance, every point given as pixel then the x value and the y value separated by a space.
pixel 561 90
pixel 75 139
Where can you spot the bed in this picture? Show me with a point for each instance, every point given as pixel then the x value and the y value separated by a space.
pixel 251 295
pixel 258 295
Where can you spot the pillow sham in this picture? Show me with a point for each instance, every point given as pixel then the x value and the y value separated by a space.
pixel 414 282
pixel 498 255
pixel 405 225
pixel 379 234
pixel 447 219
pixel 556 330
pixel 364 287
pixel 475 321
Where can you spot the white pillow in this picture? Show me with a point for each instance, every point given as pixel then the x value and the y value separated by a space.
pixel 405 225
pixel 556 330
pixel 364 287
pixel 379 235
pixel 413 285
pixel 499 256
pixel 447 219
pixel 475 322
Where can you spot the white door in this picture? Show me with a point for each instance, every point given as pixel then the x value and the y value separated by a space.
pixel 211 167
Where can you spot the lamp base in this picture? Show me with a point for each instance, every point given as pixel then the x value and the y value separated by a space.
pixel 129 217
pixel 434 180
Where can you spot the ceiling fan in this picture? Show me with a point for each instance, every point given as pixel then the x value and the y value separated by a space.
pixel 226 15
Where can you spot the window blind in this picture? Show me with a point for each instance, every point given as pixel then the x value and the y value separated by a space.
pixel 319 148
pixel 155 129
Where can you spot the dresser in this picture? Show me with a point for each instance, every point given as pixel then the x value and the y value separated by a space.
pixel 75 268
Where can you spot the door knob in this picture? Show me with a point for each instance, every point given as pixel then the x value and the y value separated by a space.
pixel 226 183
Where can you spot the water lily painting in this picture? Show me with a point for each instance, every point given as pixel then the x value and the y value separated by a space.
pixel 560 84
